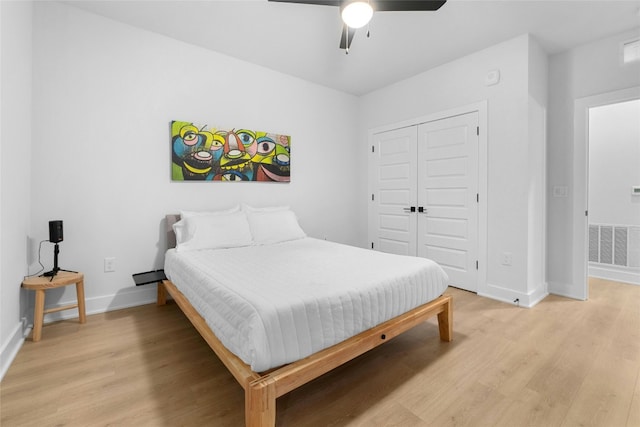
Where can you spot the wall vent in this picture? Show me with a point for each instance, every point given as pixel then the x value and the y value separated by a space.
pixel 620 246
pixel 615 245
pixel 594 247
pixel 633 251
pixel 606 244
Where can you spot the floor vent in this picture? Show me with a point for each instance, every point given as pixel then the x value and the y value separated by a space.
pixel 613 244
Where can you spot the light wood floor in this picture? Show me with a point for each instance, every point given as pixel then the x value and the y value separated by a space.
pixel 562 363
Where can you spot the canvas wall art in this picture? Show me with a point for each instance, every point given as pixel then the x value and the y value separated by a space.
pixel 201 153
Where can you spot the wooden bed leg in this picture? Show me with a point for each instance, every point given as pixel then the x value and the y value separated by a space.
pixel 445 321
pixel 260 403
pixel 162 294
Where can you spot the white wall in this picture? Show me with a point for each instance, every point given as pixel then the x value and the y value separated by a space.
pixel 614 163
pixel 536 160
pixel 461 83
pixel 15 171
pixel 104 94
pixel 586 70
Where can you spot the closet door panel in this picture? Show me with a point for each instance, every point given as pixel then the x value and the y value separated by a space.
pixel 447 191
pixel 392 227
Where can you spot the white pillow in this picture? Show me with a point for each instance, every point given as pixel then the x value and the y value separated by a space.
pixel 215 231
pixel 179 228
pixel 274 226
pixel 186 214
pixel 249 209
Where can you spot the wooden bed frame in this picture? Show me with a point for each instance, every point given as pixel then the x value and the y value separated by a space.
pixel 262 389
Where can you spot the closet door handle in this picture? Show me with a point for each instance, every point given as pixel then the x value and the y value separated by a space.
pixel 411 209
pixel 421 209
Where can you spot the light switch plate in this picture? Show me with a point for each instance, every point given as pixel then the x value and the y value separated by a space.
pixel 560 191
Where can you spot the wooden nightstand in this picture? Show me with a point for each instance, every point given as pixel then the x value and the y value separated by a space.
pixel 41 284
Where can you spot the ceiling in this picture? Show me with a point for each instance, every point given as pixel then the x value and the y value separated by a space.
pixel 302 40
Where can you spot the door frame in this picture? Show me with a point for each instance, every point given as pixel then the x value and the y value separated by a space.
pixel 580 254
pixel 483 122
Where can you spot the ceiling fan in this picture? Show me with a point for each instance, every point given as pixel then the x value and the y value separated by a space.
pixel 357 13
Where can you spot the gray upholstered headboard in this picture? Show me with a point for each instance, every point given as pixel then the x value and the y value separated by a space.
pixel 171 236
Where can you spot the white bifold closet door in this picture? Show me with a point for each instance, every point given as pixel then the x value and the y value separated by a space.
pixel 394 191
pixel 424 199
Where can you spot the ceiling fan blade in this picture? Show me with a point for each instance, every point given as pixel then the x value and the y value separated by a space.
pixel 407 5
pixel 378 5
pixel 343 41
pixel 320 2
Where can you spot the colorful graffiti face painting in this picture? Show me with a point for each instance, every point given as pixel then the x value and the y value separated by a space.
pixel 209 154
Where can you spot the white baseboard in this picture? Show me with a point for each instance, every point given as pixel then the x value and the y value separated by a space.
pixel 12 346
pixel 128 297
pixel 617 274
pixel 527 300
pixel 567 290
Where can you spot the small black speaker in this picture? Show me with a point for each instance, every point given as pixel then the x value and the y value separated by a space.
pixel 55 231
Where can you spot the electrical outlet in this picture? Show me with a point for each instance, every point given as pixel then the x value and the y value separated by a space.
pixel 507 258
pixel 109 265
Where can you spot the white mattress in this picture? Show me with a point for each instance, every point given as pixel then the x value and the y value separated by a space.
pixel 274 304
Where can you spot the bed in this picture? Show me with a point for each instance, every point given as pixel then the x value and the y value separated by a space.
pixel 280 313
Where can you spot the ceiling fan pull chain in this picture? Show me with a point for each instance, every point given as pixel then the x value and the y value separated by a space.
pixel 368 25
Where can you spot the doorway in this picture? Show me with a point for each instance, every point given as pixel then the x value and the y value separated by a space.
pixel 580 247
pixel 614 192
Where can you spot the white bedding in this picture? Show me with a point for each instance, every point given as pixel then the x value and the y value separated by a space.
pixel 274 304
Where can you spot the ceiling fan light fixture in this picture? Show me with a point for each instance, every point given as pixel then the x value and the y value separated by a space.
pixel 357 14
